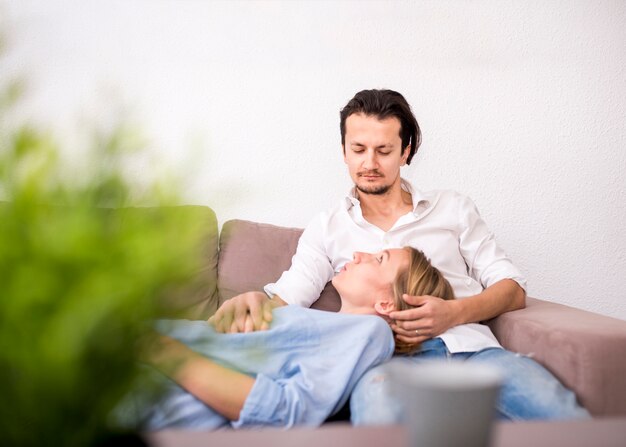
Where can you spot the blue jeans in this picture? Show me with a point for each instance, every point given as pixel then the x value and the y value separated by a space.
pixel 529 390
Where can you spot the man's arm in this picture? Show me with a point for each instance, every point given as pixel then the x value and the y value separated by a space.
pixel 488 264
pixel 221 388
pixel 433 316
pixel 504 296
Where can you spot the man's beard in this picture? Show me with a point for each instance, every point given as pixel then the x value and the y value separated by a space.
pixel 374 190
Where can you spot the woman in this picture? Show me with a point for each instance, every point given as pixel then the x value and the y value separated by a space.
pixel 300 371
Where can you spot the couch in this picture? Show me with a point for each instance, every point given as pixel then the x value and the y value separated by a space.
pixel 586 351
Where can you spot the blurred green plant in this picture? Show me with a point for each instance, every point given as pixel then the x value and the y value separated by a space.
pixel 80 277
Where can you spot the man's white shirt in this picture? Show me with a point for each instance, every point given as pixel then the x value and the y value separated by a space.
pixel 445 225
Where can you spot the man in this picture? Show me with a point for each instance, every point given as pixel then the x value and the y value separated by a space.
pixel 379 135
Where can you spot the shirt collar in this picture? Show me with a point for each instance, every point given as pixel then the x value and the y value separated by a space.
pixel 418 197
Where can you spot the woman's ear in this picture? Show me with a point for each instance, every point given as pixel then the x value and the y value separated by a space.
pixel 384 306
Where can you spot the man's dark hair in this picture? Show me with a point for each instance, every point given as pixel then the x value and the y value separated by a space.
pixel 385 104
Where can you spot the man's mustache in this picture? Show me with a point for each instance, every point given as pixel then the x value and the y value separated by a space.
pixel 375 172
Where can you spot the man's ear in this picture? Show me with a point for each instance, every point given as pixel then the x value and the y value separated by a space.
pixel 343 149
pixel 405 154
pixel 384 306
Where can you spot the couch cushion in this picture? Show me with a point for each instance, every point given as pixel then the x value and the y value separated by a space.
pixel 254 254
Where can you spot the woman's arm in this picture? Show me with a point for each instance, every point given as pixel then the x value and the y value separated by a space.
pixel 221 388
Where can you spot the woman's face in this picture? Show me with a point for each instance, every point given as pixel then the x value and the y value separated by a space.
pixel 368 278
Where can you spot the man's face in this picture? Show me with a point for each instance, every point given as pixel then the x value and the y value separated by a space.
pixel 373 152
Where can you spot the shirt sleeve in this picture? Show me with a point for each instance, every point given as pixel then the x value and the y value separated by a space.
pixel 310 269
pixel 487 263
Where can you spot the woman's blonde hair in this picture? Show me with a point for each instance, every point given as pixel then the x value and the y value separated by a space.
pixel 420 278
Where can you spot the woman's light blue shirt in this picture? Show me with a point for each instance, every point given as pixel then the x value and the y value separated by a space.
pixel 305 367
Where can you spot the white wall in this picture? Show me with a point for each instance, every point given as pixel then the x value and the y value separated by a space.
pixel 522 106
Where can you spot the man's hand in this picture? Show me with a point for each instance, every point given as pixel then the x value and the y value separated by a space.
pixel 432 316
pixel 248 312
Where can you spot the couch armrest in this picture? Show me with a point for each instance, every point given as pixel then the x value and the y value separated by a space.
pixel 586 351
pixel 197 298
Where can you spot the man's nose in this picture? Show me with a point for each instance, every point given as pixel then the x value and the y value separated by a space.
pixel 370 162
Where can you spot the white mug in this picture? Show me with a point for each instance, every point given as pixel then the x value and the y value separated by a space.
pixel 446 403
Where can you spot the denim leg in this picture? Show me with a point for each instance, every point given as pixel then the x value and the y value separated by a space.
pixel 529 390
pixel 372 402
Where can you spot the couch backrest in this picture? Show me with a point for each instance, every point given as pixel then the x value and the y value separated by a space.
pixel 249 256
pixel 254 254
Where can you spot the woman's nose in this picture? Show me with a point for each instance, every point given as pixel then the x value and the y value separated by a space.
pixel 359 256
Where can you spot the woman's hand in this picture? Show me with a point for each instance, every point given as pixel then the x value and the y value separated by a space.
pixel 248 312
pixel 219 387
pixel 164 353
